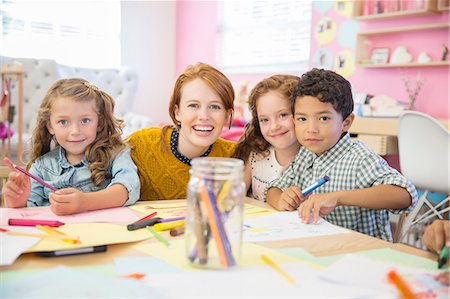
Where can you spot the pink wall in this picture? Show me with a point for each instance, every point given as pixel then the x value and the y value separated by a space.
pixel 196 41
pixel 434 96
pixel 195 33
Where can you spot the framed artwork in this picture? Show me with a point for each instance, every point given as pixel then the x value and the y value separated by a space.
pixel 379 55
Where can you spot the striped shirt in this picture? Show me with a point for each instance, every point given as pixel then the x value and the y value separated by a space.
pixel 350 165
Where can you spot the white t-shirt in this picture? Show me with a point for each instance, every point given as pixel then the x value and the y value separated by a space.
pixel 264 170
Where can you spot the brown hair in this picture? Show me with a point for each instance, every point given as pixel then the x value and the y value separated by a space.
pixel 252 140
pixel 212 77
pixel 108 142
pixel 328 87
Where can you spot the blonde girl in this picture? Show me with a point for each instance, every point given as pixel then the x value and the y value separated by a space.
pixel 76 147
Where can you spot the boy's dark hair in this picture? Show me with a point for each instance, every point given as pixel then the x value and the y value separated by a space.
pixel 328 87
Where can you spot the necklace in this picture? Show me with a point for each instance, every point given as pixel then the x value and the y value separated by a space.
pixel 180 156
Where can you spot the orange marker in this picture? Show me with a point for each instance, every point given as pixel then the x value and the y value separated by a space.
pixel 403 289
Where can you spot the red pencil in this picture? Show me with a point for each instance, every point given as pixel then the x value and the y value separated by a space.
pixel 146 217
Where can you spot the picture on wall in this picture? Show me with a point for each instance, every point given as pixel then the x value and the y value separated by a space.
pixel 379 55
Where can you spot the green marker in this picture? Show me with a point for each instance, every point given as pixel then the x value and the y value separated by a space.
pixel 158 236
pixel 443 257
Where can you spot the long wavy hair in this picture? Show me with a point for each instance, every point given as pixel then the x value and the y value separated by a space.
pixel 252 140
pixel 108 142
pixel 213 78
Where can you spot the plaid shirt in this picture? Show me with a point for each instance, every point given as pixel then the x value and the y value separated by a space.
pixel 350 165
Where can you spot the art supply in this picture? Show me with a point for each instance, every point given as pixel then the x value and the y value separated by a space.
pixel 316 185
pixel 443 257
pixel 94 249
pixel 213 230
pixel 35 235
pixel 158 236
pixel 50 230
pixel 168 225
pixel 277 268
pixel 147 217
pixel 34 177
pixel 403 289
pixel 172 219
pixel 177 231
pixel 34 222
pixel 144 223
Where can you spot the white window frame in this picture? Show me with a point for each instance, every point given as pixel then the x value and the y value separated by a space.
pixel 78 33
pixel 264 36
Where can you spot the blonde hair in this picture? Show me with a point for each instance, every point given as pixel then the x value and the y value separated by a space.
pixel 108 142
pixel 252 140
pixel 213 78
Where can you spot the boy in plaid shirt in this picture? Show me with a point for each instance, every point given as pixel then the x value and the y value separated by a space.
pixel 362 186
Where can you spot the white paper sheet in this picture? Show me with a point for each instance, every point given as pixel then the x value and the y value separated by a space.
pixel 11 247
pixel 286 225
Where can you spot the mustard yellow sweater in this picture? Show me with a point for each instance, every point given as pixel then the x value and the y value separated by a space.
pixel 161 174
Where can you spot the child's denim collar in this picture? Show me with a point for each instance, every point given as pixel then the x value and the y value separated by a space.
pixel 66 164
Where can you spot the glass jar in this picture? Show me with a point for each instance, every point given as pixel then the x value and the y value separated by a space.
pixel 214 218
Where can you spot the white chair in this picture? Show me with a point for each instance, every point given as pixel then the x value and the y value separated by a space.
pixel 424 159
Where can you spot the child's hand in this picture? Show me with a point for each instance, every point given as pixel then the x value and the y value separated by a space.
pixel 436 235
pixel 443 277
pixel 17 189
pixel 290 199
pixel 320 204
pixel 67 201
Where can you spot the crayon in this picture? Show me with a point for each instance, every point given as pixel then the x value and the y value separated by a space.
pixel 34 222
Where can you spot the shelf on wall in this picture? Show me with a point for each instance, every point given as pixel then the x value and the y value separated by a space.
pixel 430 7
pixel 386 65
pixel 365 37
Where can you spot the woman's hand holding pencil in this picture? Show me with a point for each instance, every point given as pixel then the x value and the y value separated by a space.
pixel 16 190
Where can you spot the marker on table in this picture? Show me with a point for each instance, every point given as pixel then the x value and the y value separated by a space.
pixel 144 223
pixel 34 177
pixel 403 289
pixel 315 185
pixel 34 222
pixel 443 257
pixel 168 225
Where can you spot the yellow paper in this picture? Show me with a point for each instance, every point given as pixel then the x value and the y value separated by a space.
pixel 175 254
pixel 91 234
pixel 255 211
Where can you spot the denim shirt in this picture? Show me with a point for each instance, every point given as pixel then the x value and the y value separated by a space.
pixel 54 169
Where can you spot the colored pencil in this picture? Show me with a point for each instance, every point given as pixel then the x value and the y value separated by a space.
pixel 277 268
pixel 35 235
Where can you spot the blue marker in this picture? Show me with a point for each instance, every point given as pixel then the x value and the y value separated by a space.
pixel 316 185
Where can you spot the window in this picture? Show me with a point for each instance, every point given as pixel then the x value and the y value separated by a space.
pixel 79 33
pixel 264 36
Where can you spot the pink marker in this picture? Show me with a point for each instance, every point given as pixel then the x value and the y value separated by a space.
pixel 34 222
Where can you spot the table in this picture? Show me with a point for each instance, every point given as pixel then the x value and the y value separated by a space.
pixel 317 246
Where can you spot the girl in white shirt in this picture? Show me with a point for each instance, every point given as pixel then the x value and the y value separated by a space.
pixel 268 145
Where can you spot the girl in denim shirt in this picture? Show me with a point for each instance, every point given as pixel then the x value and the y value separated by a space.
pixel 77 148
